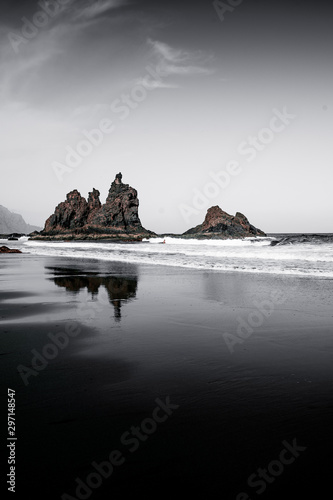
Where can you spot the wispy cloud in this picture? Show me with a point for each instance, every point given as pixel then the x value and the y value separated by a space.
pixel 94 9
pixel 172 69
pixel 156 84
pixel 179 62
pixel 167 52
pixel 32 55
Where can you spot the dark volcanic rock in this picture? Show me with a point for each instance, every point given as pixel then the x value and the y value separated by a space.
pixel 78 217
pixel 220 224
pixel 94 204
pixel 93 200
pixel 8 250
pixel 120 209
pixel 70 214
pixel 308 239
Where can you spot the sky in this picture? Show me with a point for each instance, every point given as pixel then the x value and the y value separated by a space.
pixel 197 103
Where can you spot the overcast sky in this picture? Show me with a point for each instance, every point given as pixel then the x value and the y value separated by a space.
pixel 196 94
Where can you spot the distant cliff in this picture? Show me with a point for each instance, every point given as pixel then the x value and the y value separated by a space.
pixel 14 223
pixel 219 224
pixel 78 218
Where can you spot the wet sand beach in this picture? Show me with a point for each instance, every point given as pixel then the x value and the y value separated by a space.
pixel 155 376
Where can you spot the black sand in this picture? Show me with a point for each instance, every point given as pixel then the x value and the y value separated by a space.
pixel 141 334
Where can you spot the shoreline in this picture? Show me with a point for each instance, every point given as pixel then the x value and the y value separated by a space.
pixel 169 265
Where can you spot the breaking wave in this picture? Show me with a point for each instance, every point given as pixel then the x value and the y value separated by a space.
pixel 301 255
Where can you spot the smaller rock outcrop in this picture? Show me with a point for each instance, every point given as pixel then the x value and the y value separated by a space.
pixel 220 224
pixel 4 249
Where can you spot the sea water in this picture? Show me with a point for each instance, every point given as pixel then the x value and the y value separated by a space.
pixel 300 255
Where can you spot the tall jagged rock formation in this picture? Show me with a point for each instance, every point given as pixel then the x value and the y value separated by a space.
pixel 219 224
pixel 121 208
pixel 117 217
pixel 94 205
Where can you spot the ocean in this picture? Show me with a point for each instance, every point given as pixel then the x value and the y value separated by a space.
pixel 281 254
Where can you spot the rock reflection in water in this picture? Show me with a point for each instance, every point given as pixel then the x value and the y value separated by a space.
pixel 120 289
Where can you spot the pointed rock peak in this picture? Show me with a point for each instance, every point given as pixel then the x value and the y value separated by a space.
pixel 94 195
pixel 214 213
pixel 74 199
pixel 93 199
pixel 118 187
pixel 118 183
pixel 73 194
pixel 118 178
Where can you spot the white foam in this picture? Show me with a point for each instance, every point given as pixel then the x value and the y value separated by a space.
pixel 262 241
pixel 222 255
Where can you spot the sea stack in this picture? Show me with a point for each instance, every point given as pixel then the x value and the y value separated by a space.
pixel 220 225
pixel 77 218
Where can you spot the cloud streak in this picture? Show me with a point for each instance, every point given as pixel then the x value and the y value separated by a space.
pixel 95 9
pixel 155 84
pixel 179 62
pixel 23 57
